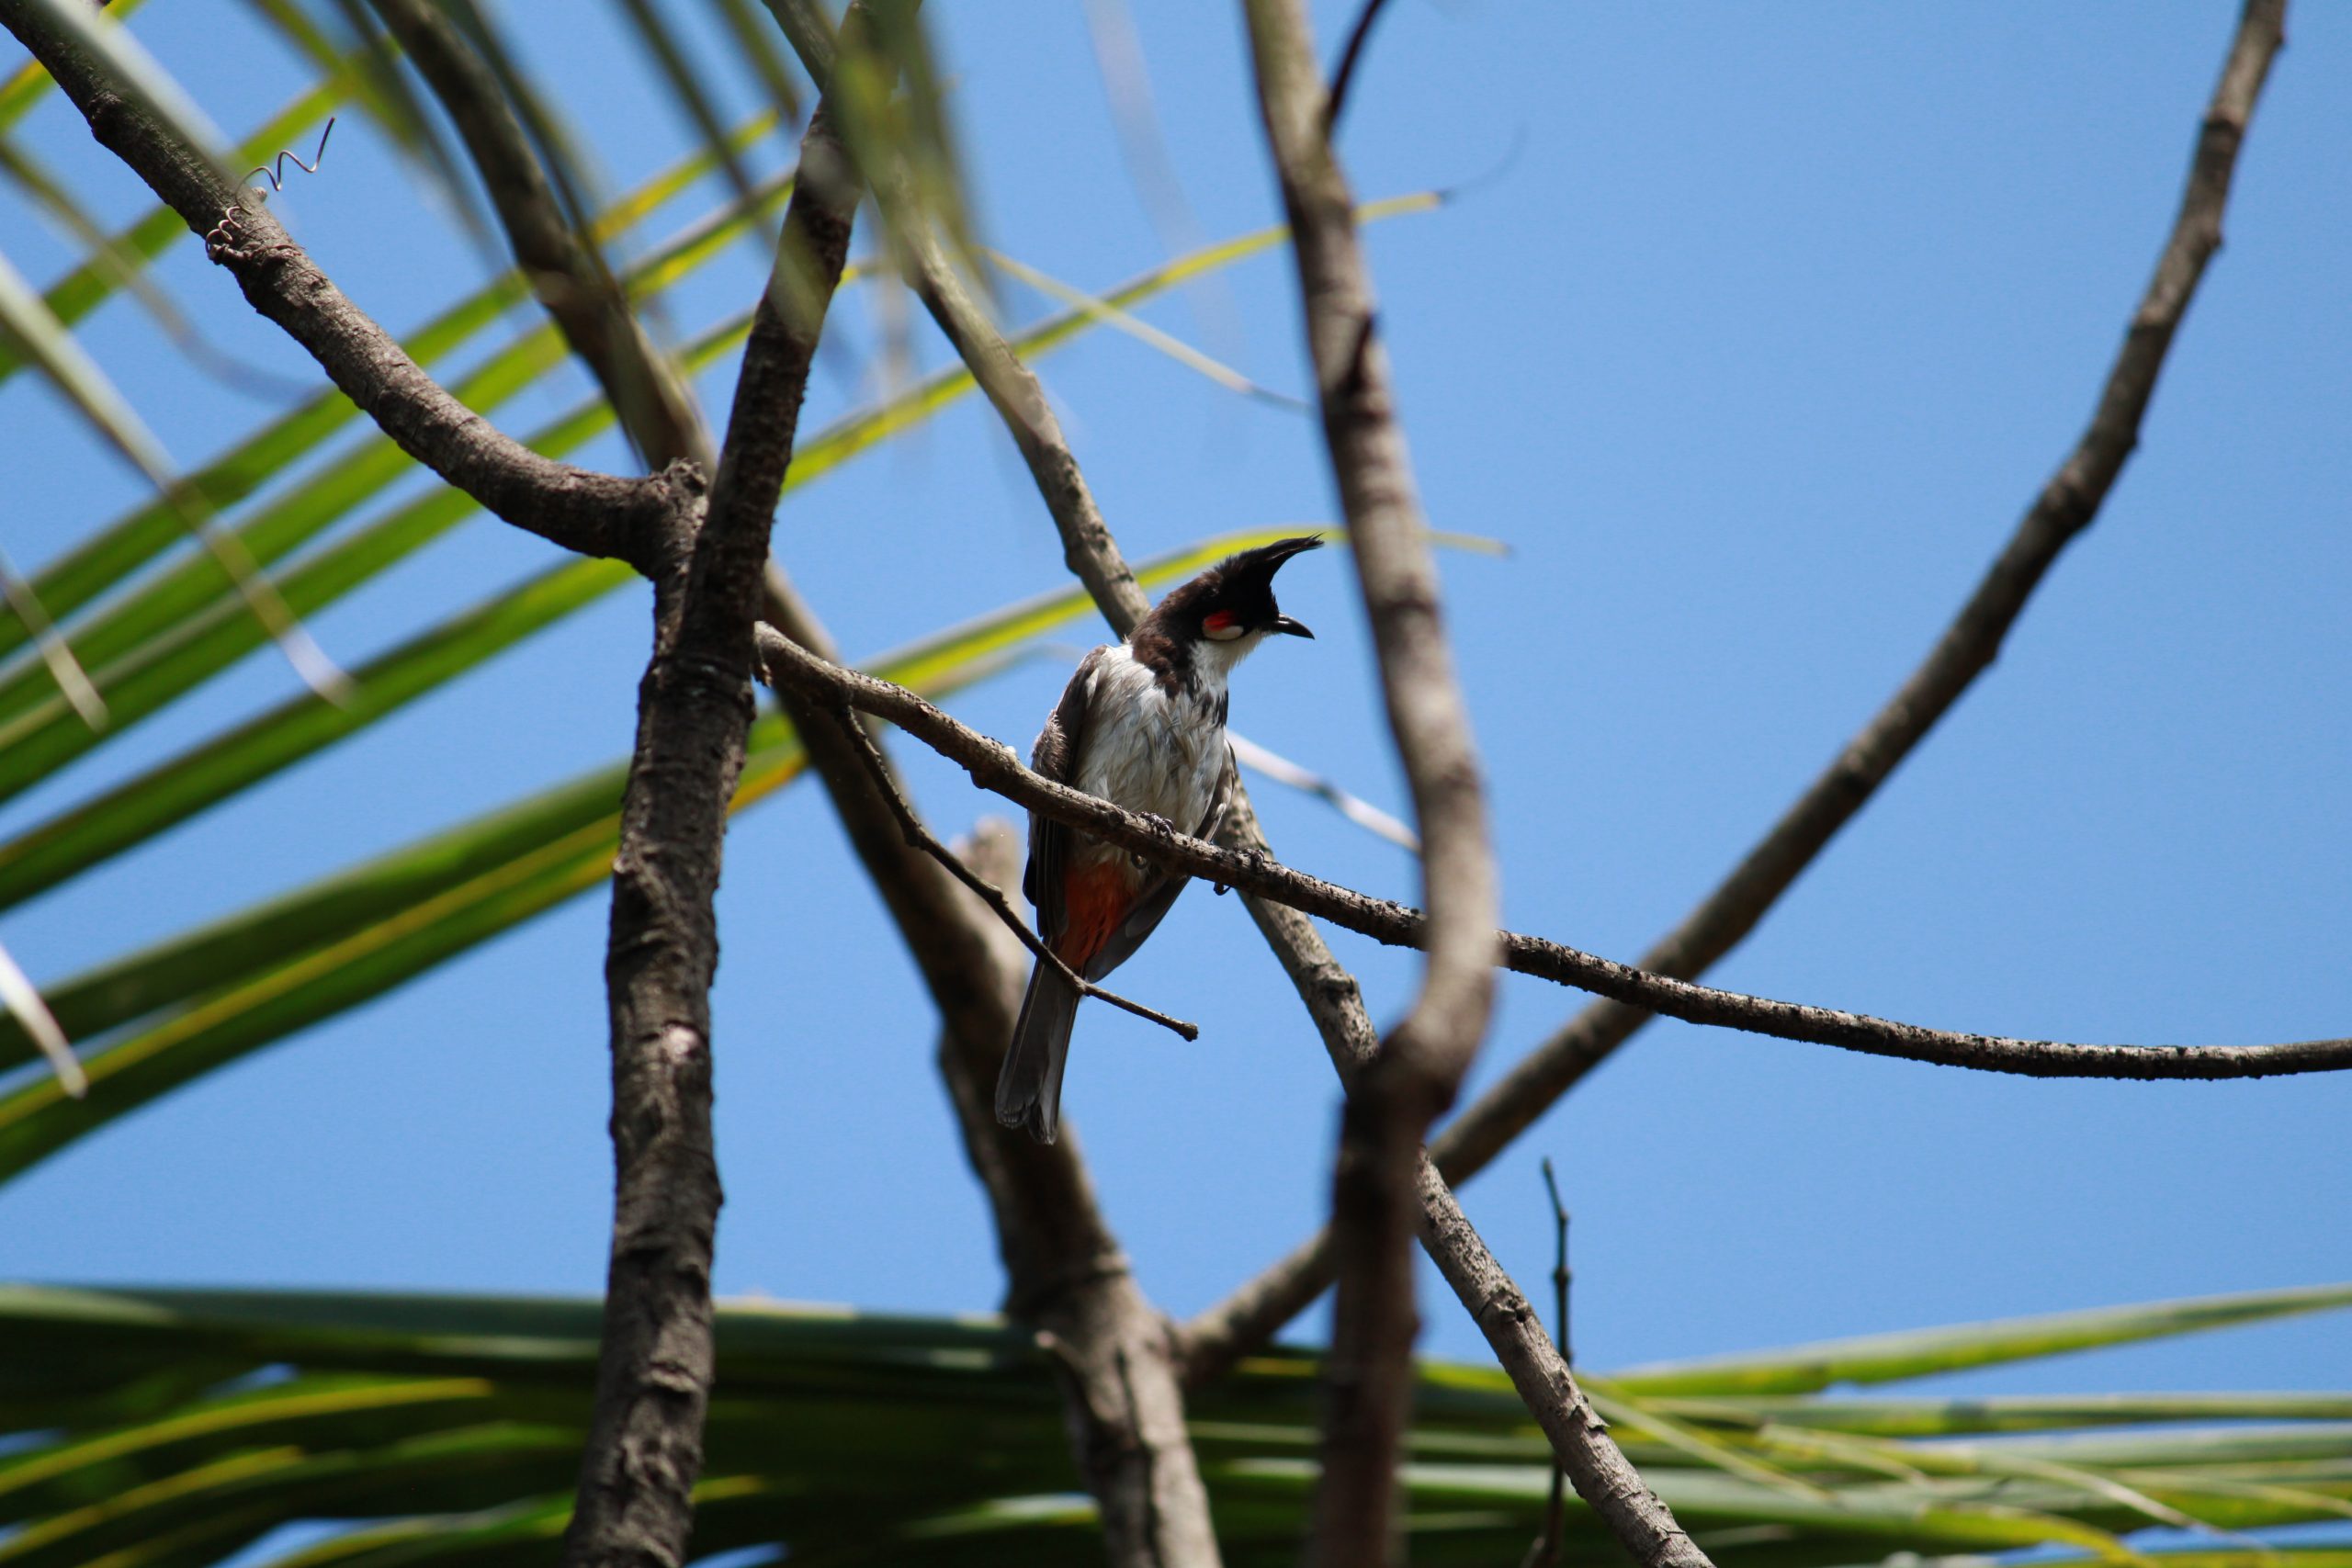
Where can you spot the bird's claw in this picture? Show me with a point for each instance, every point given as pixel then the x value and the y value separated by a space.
pixel 1161 827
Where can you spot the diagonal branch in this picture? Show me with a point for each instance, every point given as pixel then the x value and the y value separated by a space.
pixel 593 513
pixel 586 302
pixel 1421 1063
pixel 994 767
pixel 2066 506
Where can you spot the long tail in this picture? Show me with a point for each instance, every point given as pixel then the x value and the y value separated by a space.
pixel 1029 1089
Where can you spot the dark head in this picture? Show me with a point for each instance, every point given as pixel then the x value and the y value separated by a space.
pixel 1233 601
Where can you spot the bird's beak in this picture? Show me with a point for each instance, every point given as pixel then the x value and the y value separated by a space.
pixel 1289 628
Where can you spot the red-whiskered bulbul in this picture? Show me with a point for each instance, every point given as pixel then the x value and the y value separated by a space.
pixel 1141 725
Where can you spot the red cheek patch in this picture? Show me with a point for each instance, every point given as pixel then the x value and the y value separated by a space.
pixel 1220 621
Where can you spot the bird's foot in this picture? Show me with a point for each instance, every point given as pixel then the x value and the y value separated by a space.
pixel 1160 826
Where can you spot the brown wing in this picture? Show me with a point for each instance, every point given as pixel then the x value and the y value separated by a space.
pixel 1055 756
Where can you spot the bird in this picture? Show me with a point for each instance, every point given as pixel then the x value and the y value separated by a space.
pixel 1140 724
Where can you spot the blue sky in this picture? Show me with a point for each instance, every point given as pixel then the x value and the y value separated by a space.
pixel 1754 332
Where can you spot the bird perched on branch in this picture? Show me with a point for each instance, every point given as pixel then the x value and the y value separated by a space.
pixel 1141 725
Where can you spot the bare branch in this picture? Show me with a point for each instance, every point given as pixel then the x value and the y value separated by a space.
pixel 994 767
pixel 586 302
pixel 1545 1550
pixel 1087 546
pixel 644 1449
pixel 2065 507
pixel 1388 1111
pixel 597 514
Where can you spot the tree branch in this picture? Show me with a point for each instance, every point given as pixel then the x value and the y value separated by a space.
pixel 1343 75
pixel 629 519
pixel 579 292
pixel 2064 508
pixel 1420 1066
pixel 994 767
pixel 1596 1466
pixel 2066 505
pixel 644 1448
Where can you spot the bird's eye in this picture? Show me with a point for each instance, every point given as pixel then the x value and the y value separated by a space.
pixel 1221 626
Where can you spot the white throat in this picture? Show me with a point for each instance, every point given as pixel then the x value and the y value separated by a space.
pixel 1212 658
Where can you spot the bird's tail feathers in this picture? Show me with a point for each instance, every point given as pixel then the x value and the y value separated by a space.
pixel 1029 1089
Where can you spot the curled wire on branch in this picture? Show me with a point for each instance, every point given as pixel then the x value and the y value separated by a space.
pixel 275 170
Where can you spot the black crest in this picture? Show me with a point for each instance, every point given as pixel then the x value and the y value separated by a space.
pixel 1238 591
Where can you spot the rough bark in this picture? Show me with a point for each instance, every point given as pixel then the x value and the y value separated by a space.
pixel 644 1450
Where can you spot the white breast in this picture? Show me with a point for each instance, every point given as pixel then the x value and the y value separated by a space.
pixel 1148 751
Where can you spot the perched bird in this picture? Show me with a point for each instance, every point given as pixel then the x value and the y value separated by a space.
pixel 1141 725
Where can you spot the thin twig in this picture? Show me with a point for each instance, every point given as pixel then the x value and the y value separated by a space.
pixel 1344 76
pixel 921 838
pixel 1545 1548
pixel 994 766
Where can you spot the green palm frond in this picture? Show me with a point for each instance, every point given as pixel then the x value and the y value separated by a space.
pixel 443 1428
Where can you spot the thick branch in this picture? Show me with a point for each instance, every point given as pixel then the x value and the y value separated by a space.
pixel 994 767
pixel 1424 1059
pixel 594 513
pixel 2066 505
pixel 571 282
pixel 644 1447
